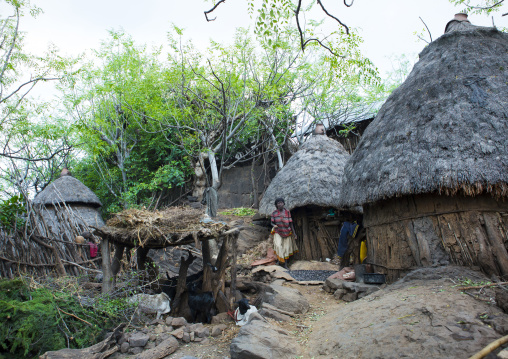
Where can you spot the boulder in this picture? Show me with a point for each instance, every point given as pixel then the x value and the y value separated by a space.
pixel 179 322
pixel 334 283
pixel 138 339
pixel 267 313
pixel 259 340
pixel 287 299
pixel 218 329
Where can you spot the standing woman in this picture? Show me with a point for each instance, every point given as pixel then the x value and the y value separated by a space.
pixel 284 234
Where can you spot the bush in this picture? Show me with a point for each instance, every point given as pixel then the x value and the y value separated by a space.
pixel 239 212
pixel 36 320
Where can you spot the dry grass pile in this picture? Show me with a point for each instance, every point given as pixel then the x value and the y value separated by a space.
pixel 258 252
pixel 168 225
pixel 173 218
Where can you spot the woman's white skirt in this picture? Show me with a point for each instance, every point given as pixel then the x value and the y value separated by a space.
pixel 284 247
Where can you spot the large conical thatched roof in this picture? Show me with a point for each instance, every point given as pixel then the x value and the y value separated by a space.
pixel 67 189
pixel 444 130
pixel 312 176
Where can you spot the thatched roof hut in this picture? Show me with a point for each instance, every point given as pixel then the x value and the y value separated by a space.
pixel 67 199
pixel 312 176
pixel 433 165
pixel 310 184
pixel 67 189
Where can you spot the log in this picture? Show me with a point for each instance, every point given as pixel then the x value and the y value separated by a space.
pixel 167 347
pixel 98 351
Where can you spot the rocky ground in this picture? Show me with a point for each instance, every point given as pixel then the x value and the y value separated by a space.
pixel 423 316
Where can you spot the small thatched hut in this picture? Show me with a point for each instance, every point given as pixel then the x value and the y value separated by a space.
pixel 68 200
pixel 431 170
pixel 310 184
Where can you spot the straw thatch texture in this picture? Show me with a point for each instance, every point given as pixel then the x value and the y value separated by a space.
pixel 157 229
pixel 444 129
pixel 67 189
pixel 312 176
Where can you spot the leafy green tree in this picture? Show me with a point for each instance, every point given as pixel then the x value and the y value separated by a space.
pixel 31 143
pixel 113 99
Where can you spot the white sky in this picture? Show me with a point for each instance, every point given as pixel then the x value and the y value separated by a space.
pixel 387 26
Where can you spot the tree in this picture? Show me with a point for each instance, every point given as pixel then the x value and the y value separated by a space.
pixel 29 148
pixel 240 102
pixel 112 98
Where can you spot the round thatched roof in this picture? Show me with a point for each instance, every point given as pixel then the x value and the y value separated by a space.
pixel 312 176
pixel 67 189
pixel 444 130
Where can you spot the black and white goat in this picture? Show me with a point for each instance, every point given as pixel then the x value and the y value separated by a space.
pixel 244 311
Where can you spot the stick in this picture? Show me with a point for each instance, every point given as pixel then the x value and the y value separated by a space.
pixel 72 315
pixel 482 286
pixel 86 269
pixel 490 348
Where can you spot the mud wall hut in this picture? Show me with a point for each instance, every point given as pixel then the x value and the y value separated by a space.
pixel 310 184
pixel 431 170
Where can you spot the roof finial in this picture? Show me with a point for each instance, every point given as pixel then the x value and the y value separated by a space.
pixel 65 172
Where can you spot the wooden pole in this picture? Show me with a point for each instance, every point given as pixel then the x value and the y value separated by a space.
pixel 233 272
pixel 108 279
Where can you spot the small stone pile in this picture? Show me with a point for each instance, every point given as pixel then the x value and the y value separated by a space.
pixel 161 330
pixel 349 291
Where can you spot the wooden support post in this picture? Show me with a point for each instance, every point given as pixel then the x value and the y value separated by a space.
pixel 108 279
pixel 180 305
pixel 221 264
pixel 117 259
pixel 233 271
pixel 207 271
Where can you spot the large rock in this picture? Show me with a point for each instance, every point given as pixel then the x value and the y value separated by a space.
pixel 260 340
pixel 287 299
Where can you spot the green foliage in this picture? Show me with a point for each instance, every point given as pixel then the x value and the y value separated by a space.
pixel 239 212
pixel 478 6
pixel 35 320
pixel 11 212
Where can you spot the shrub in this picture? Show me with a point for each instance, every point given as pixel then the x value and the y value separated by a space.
pixel 36 320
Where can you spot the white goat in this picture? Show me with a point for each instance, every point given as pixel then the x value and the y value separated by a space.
pixel 158 303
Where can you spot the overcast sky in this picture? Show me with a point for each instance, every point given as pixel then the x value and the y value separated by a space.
pixel 387 26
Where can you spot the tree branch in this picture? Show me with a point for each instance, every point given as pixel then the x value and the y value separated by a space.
pixel 333 17
pixel 430 35
pixel 212 10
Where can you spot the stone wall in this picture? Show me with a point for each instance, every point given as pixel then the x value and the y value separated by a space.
pixel 236 190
